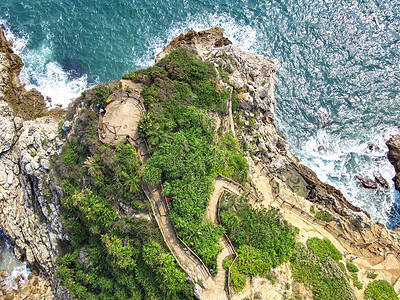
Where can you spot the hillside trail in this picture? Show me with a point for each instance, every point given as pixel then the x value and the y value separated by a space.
pixel 120 123
pixel 373 253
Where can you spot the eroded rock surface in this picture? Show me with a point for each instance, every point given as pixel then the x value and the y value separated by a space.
pixel 394 157
pixel 30 216
pixel 30 212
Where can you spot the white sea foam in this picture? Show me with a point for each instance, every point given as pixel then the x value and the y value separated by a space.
pixel 43 73
pixel 14 268
pixel 241 35
pixel 336 160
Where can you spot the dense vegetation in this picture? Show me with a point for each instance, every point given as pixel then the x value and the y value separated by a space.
pixel 110 253
pixel 262 238
pixel 380 290
pixel 318 266
pixel 186 152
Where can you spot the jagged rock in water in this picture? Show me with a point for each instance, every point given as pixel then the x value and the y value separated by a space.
pixel 394 158
pixel 382 181
pixel 366 182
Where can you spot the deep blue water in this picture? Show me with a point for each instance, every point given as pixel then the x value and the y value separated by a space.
pixel 337 84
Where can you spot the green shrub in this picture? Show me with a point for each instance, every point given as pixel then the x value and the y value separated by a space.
pixel 235 102
pixel 262 238
pixel 101 93
pixel 128 89
pixel 130 75
pixel 312 209
pixel 323 216
pixel 321 273
pixel 183 78
pixel 187 155
pixel 356 282
pixel 380 290
pixel 271 278
pixel 323 248
pixel 372 275
pixel 351 267
pixel 238 281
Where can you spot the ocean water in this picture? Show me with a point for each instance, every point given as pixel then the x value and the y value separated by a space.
pixel 14 269
pixel 337 83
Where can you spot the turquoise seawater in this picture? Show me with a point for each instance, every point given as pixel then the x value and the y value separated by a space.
pixel 337 84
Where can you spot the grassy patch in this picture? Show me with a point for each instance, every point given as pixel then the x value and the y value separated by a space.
pixel 262 238
pixel 351 267
pixel 372 275
pixel 183 78
pixel 317 267
pixel 101 94
pixel 380 290
pixel 324 216
pixel 323 248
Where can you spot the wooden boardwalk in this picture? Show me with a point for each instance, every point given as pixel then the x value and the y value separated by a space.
pixel 185 257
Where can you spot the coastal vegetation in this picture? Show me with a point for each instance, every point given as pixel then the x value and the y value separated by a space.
pixel 186 151
pixel 380 290
pixel 110 253
pixel 262 238
pixel 317 266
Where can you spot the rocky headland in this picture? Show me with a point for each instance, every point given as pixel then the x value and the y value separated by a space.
pixel 29 206
pixel 31 210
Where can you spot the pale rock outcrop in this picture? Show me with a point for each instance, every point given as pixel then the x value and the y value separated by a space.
pixel 30 215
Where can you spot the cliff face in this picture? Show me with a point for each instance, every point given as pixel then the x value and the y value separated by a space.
pixel 394 157
pixel 30 215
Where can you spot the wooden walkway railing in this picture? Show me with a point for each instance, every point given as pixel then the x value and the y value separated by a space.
pixel 204 270
pixel 325 225
pixel 166 241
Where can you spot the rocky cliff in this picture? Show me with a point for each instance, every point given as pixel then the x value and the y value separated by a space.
pixel 394 157
pixel 30 215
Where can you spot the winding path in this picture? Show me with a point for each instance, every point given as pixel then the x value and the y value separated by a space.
pixel 130 106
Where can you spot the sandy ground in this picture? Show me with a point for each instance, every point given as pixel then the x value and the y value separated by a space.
pixel 120 119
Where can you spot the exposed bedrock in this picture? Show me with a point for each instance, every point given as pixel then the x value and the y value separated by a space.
pixel 29 204
pixel 394 157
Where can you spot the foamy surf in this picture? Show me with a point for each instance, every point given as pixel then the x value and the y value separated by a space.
pixel 243 36
pixel 337 160
pixel 43 73
pixel 13 268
